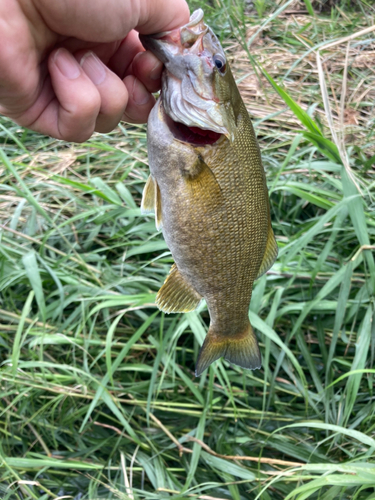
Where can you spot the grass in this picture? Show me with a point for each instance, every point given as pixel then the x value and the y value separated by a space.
pixel 98 397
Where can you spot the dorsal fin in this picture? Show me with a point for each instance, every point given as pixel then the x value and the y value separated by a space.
pixel 270 253
pixel 148 197
pixel 151 201
pixel 158 214
pixel 177 295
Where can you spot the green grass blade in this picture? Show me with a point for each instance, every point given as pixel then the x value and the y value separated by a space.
pixel 309 123
pixel 359 436
pixel 357 215
pixel 115 365
pixel 309 7
pixel 197 450
pixel 32 271
pixel 20 327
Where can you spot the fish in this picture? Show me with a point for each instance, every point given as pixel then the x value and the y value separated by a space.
pixel 207 188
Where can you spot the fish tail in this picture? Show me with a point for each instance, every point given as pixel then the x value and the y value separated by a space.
pixel 240 349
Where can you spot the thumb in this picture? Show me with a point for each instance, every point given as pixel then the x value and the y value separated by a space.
pixel 109 20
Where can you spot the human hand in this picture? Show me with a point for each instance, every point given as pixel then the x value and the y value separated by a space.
pixel 69 68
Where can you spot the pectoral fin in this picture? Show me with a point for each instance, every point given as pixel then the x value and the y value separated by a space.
pixel 203 185
pixel 270 253
pixel 158 215
pixel 177 295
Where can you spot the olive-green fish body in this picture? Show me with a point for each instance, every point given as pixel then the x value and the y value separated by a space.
pixel 211 201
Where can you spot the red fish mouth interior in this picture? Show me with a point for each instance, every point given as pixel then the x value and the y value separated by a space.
pixel 192 135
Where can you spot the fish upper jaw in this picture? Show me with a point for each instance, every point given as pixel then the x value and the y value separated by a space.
pixel 168 44
pixel 189 48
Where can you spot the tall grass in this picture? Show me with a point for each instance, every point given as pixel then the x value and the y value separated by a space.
pixel 98 397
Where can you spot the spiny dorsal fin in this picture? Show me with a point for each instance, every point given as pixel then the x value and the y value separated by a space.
pixel 270 253
pixel 148 197
pixel 240 349
pixel 177 295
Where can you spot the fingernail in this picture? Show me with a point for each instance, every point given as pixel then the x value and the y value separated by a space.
pixel 93 67
pixel 140 94
pixel 155 73
pixel 67 64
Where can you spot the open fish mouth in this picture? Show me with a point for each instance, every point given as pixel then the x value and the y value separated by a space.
pixel 188 87
pixel 192 135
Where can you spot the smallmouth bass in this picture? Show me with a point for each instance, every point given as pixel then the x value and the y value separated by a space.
pixel 208 189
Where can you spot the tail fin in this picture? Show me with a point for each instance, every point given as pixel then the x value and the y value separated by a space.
pixel 241 350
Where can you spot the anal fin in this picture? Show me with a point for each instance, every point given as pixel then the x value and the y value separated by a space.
pixel 270 253
pixel 158 216
pixel 177 295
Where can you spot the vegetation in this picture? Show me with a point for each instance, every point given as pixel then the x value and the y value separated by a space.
pixel 98 398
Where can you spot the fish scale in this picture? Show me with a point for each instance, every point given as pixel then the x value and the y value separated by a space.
pixel 210 199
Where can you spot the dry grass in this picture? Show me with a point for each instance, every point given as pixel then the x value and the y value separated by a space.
pixel 287 50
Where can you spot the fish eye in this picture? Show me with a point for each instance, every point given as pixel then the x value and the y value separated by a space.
pixel 220 63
